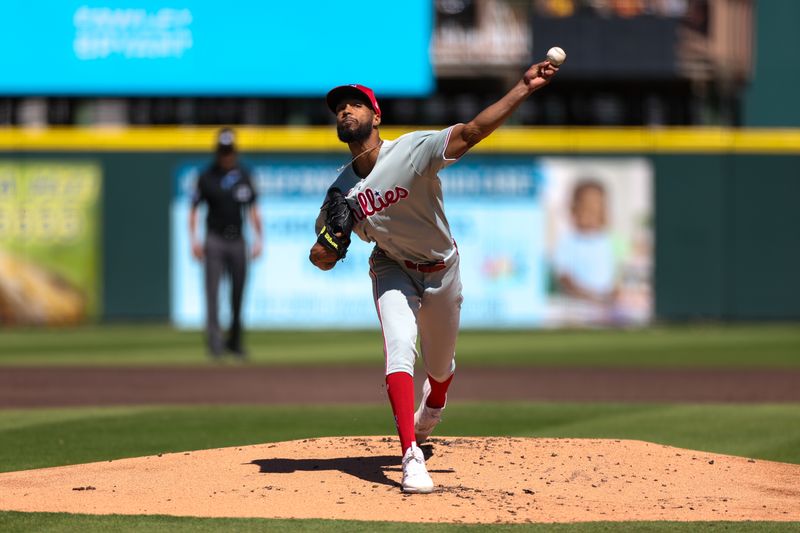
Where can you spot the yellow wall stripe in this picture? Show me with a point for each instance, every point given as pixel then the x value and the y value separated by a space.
pixel 323 138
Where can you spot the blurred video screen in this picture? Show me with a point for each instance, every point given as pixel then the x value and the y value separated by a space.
pixel 200 47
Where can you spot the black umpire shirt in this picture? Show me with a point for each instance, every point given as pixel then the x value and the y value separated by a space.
pixel 226 194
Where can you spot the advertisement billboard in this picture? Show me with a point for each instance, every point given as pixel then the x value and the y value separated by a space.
pixel 200 47
pixel 49 242
pixel 599 233
pixel 508 215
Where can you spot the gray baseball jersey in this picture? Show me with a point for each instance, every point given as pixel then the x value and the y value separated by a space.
pixel 399 205
pixel 415 264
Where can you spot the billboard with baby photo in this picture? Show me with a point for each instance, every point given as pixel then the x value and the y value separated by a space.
pixel 599 236
pixel 544 242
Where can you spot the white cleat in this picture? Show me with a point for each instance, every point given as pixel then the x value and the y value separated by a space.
pixel 426 418
pixel 415 476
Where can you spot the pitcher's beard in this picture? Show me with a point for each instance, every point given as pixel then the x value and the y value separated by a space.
pixel 359 134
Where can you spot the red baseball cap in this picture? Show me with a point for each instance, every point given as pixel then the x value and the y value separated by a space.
pixel 337 94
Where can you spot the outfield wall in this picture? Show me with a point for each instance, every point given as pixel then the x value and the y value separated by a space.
pixel 727 225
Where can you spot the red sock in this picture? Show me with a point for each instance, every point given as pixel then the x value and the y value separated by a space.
pixel 438 396
pixel 400 388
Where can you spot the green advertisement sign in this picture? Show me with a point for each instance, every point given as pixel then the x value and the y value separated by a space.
pixel 49 242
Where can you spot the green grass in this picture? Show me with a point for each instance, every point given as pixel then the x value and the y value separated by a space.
pixel 755 345
pixel 11 522
pixel 35 438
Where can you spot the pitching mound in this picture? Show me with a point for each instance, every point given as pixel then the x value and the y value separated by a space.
pixel 478 480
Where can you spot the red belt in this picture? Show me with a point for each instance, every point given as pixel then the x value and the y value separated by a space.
pixel 426 267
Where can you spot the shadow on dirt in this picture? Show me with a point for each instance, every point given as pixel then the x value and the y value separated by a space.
pixel 370 468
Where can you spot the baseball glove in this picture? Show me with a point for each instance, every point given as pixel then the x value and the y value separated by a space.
pixel 335 234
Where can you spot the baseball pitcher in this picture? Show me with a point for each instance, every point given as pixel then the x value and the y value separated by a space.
pixel 390 194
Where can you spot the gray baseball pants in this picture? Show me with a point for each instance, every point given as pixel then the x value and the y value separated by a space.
pixel 224 256
pixel 410 302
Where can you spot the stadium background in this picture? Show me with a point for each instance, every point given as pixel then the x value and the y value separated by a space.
pixel 701 90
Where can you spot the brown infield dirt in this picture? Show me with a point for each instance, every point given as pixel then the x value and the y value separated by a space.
pixel 479 480
pixel 252 384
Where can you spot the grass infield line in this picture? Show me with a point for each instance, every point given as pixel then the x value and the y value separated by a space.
pixel 709 346
pixel 14 522
pixel 38 438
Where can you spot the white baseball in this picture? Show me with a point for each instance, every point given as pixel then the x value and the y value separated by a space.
pixel 556 55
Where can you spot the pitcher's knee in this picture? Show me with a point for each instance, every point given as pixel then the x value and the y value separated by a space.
pixel 443 373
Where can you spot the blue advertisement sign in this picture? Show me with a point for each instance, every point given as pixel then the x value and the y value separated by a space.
pixel 544 242
pixel 494 212
pixel 201 47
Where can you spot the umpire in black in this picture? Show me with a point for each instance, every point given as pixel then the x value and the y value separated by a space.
pixel 225 186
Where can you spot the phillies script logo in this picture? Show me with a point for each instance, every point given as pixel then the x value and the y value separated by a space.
pixel 372 202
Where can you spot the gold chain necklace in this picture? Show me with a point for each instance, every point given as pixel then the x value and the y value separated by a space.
pixel 359 155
